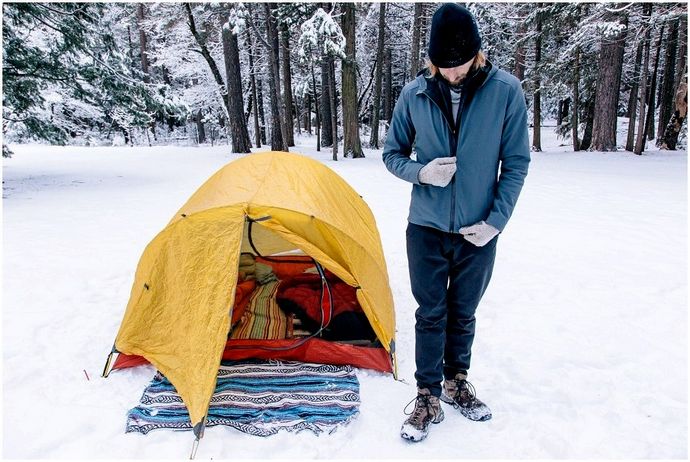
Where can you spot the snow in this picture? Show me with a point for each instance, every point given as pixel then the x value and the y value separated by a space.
pixel 236 19
pixel 581 345
pixel 321 30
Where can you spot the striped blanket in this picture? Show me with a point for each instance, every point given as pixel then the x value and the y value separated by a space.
pixel 263 319
pixel 259 398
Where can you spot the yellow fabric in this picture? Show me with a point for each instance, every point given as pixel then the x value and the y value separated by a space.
pixel 178 314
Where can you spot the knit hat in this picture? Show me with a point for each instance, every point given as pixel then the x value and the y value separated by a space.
pixel 454 38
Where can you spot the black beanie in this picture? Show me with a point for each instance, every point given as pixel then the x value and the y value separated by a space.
pixel 454 38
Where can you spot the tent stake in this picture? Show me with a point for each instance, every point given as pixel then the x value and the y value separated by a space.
pixel 195 446
pixel 198 432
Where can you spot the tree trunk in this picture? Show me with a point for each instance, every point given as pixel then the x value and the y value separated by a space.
pixel 576 101
pixel 374 140
pixel 307 114
pixel 250 108
pixel 274 40
pixel 589 124
pixel 298 104
pixel 607 90
pixel 201 41
pixel 682 51
pixel 277 140
pixel 676 122
pixel 315 98
pixel 366 93
pixel 238 124
pixel 388 87
pixel 262 114
pixel 326 119
pixel 201 132
pixel 255 100
pixel 144 47
pixel 166 75
pixel 170 119
pixel 143 43
pixel 334 107
pixel 405 68
pixel 563 111
pixel 641 135
pixel 424 28
pixel 536 123
pixel 519 69
pixel 130 51
pixel 632 101
pixel 287 84
pixel 649 123
pixel 566 108
pixel 416 29
pixel 666 100
pixel 352 145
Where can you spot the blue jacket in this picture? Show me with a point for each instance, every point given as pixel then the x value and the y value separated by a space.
pixel 489 137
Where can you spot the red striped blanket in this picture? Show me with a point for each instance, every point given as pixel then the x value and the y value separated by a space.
pixel 263 318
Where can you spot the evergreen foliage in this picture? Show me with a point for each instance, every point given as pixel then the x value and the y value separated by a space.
pixel 65 75
pixel 73 73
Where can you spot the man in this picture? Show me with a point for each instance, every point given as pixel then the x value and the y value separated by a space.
pixel 467 122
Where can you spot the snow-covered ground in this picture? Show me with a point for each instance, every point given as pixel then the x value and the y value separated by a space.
pixel 581 345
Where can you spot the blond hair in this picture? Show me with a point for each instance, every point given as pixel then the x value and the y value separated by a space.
pixel 479 62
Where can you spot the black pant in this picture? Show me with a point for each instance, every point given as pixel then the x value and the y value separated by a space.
pixel 448 275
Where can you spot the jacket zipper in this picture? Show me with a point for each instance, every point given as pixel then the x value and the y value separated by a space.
pixel 453 147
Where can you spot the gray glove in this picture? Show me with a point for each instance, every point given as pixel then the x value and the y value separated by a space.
pixel 438 172
pixel 480 233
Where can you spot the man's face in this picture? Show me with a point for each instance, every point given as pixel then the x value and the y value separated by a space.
pixel 455 75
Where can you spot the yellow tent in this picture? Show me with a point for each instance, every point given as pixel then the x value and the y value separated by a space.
pixel 178 315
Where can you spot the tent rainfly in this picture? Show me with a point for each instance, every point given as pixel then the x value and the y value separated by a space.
pixel 179 313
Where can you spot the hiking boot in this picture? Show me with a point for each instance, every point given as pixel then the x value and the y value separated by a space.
pixel 461 394
pixel 427 409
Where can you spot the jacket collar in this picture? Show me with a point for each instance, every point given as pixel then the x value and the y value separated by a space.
pixel 438 90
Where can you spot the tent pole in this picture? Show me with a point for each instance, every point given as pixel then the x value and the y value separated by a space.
pixel 394 360
pixel 108 363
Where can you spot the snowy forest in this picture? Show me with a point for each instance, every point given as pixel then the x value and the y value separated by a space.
pixel 256 74
pixel 117 115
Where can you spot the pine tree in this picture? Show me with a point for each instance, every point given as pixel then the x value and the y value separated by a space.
pixel 536 124
pixel 287 81
pixel 232 26
pixel 321 40
pixel 641 135
pixel 666 99
pixel 156 72
pixel 65 76
pixel 376 110
pixel 352 146
pixel 608 82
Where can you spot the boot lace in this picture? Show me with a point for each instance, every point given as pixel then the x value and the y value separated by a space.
pixel 468 388
pixel 421 405
pixel 461 389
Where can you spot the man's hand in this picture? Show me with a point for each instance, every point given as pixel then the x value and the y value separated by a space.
pixel 438 172
pixel 480 233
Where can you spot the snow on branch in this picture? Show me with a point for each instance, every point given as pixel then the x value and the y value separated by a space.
pixel 236 19
pixel 321 32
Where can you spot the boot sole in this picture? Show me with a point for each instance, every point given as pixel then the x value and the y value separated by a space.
pixel 415 439
pixel 411 438
pixel 448 400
